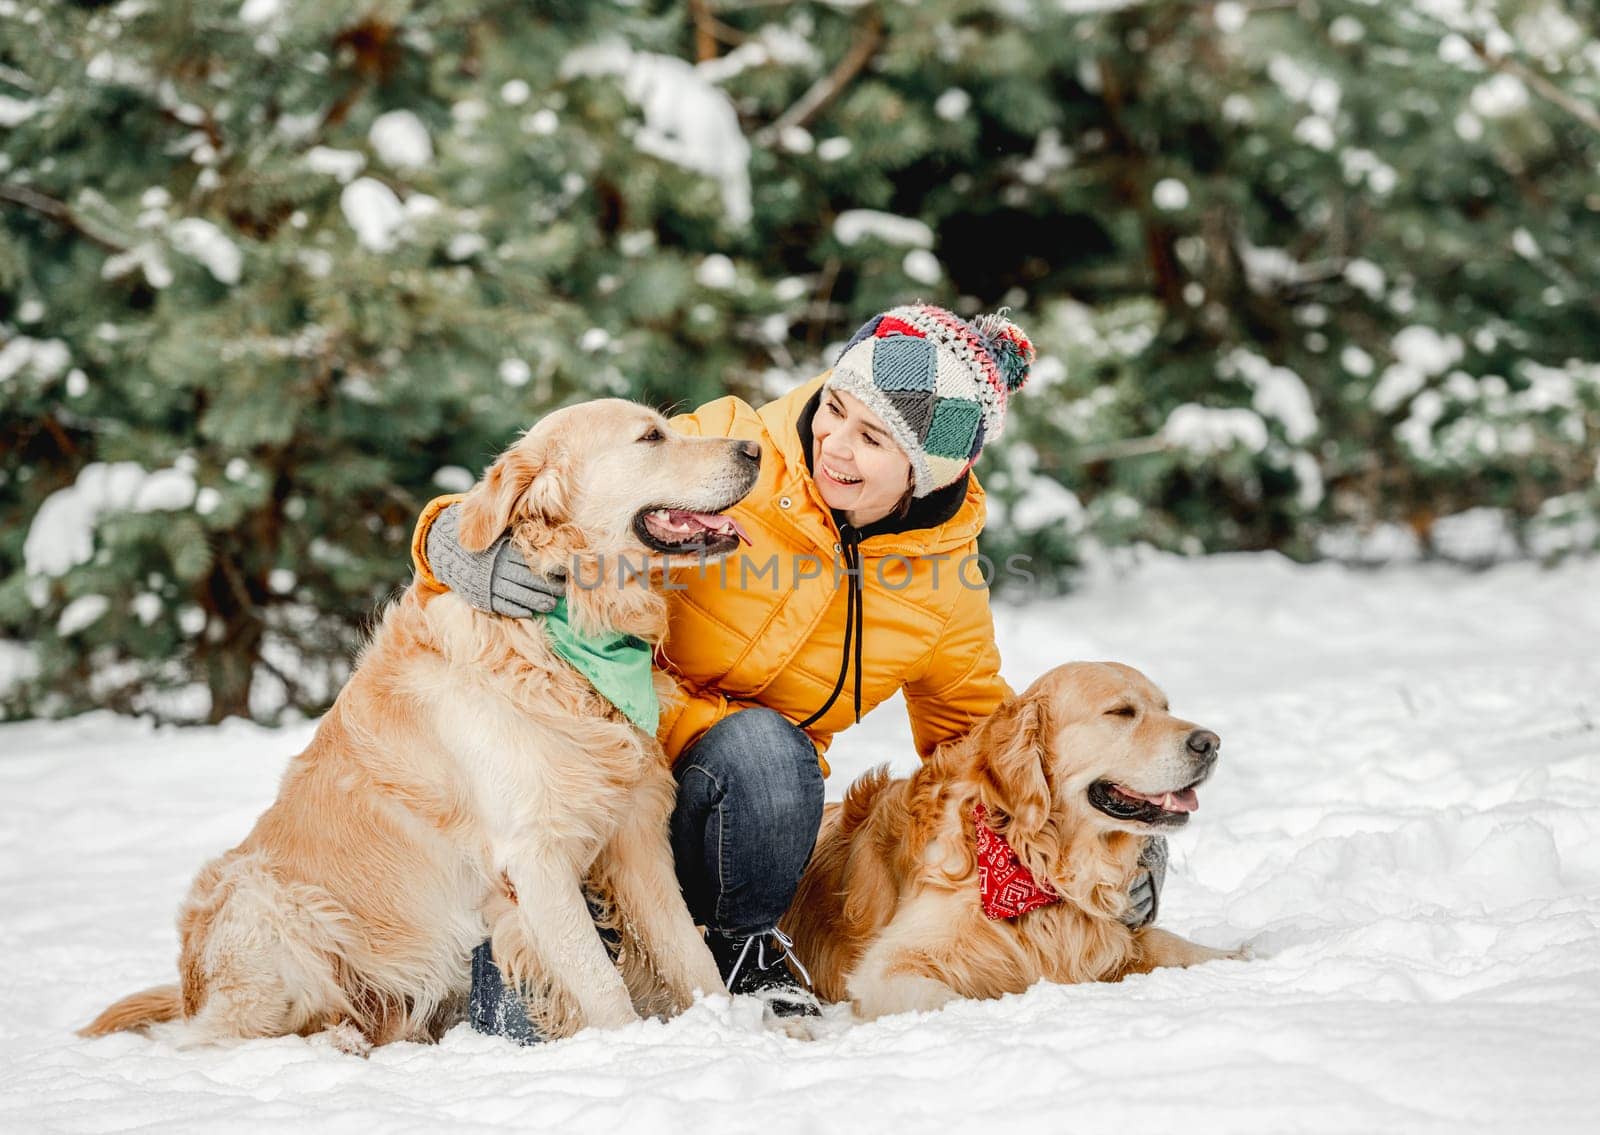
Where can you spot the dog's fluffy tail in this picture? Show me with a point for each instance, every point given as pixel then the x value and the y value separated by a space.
pixel 861 796
pixel 139 1011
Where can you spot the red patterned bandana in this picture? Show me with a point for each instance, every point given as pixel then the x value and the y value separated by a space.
pixel 1008 889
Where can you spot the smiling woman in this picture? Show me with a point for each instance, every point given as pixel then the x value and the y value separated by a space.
pixel 861 470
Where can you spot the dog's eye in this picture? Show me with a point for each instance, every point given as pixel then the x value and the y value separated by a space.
pixel 653 434
pixel 1122 711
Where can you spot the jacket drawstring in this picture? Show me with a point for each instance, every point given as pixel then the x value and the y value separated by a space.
pixel 861 605
pixel 854 625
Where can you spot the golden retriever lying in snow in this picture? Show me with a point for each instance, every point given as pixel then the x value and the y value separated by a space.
pixel 467 781
pixel 1072 774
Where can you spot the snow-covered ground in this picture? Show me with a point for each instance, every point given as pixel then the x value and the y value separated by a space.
pixel 1406 823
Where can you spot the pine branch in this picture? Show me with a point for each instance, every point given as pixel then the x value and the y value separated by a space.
pixel 726 33
pixel 57 211
pixel 817 312
pixel 1123 447
pixel 1159 239
pixel 705 39
pixel 1540 84
pixel 17 79
pixel 294 690
pixel 822 93
pixel 63 442
pixel 239 589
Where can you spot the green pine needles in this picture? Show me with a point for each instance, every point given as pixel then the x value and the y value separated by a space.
pixel 1308 277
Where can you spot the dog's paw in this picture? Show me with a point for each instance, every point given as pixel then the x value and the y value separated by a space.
pixel 346 1038
pixel 799 1028
pixel 1245 953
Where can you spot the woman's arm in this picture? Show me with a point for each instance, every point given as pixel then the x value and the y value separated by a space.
pixel 960 683
pixel 498 579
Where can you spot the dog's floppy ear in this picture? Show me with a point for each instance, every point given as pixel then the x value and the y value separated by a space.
pixel 1013 745
pixel 526 482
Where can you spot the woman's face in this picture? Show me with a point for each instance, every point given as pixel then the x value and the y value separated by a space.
pixel 857 464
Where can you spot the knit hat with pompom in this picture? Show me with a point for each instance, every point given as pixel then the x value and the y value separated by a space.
pixel 939 383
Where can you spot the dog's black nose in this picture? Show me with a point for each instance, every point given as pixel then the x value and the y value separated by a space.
pixel 1204 743
pixel 751 450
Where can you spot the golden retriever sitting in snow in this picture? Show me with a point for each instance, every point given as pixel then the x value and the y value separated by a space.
pixel 913 898
pixel 468 782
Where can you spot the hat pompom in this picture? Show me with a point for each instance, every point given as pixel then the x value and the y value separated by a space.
pixel 1013 353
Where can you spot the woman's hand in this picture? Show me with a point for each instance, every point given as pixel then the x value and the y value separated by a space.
pixel 1145 894
pixel 497 580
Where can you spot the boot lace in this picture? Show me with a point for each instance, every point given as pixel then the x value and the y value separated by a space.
pixel 785 952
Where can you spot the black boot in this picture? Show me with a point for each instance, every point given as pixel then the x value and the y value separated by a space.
pixel 762 965
pixel 495 1007
pixel 500 1009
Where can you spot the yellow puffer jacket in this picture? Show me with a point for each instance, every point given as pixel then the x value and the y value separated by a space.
pixel 768 625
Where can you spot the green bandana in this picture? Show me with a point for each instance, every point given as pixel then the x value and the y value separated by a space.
pixel 617 665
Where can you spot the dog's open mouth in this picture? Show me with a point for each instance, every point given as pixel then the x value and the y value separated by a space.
pixel 1164 809
pixel 680 531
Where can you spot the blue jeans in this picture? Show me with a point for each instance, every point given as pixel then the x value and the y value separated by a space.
pixel 749 807
pixel 746 819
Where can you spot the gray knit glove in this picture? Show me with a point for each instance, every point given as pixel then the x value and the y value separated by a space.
pixel 497 580
pixel 1145 894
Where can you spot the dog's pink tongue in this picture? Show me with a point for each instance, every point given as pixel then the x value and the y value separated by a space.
pixel 1186 801
pixel 721 522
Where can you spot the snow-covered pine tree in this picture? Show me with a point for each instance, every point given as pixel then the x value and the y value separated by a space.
pixel 264 294
pixel 1323 265
pixel 273 272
